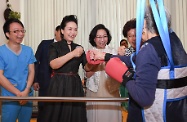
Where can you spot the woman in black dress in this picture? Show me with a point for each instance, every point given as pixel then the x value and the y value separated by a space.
pixel 65 57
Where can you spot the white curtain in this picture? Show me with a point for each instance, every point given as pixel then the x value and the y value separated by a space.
pixel 39 21
pixel 42 16
pixel 178 10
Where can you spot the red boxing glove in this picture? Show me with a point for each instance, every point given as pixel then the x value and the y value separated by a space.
pixel 115 68
pixel 90 61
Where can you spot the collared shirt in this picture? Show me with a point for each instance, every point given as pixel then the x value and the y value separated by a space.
pixel 55 40
pixel 129 51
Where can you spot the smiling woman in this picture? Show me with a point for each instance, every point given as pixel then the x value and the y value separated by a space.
pixel 99 84
pixel 65 57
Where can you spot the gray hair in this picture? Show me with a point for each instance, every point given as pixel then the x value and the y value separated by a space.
pixel 150 22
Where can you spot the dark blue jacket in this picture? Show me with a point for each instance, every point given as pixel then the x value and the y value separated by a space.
pixel 42 68
pixel 149 60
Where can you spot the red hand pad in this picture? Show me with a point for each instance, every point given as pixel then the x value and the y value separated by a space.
pixel 115 68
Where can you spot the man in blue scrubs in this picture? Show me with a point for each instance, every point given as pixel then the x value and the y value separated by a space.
pixel 16 73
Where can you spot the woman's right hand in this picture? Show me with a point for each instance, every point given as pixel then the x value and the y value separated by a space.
pixel 96 55
pixel 36 86
pixel 121 50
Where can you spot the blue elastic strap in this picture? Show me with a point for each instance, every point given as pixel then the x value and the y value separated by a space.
pixel 165 27
pixel 163 16
pixel 133 64
pixel 160 22
pixel 139 26
pixel 164 105
pixel 139 23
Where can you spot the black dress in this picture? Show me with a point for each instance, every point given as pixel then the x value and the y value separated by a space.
pixel 65 83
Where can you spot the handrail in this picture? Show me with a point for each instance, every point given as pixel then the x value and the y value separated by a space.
pixel 64 99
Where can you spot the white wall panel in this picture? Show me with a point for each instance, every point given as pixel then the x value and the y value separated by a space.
pixel 178 10
pixel 39 21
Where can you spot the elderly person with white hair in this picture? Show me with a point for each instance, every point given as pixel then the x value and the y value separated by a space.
pixel 155 96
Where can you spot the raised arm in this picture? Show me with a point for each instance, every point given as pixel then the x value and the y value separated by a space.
pixel 60 61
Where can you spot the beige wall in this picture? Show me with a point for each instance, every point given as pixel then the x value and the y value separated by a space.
pixel 15 6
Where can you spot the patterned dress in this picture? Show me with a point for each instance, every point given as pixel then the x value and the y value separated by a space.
pixel 96 87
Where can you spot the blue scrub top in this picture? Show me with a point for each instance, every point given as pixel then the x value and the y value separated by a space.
pixel 16 66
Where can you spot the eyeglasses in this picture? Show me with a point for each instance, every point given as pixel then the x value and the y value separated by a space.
pixel 131 36
pixel 18 31
pixel 100 37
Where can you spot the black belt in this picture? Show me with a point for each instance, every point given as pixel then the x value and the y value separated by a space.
pixel 172 83
pixel 69 73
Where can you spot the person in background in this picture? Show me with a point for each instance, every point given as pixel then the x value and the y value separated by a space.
pixel 98 81
pixel 123 92
pixel 124 42
pixel 154 96
pixel 129 32
pixel 42 69
pixel 65 58
pixel 16 73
